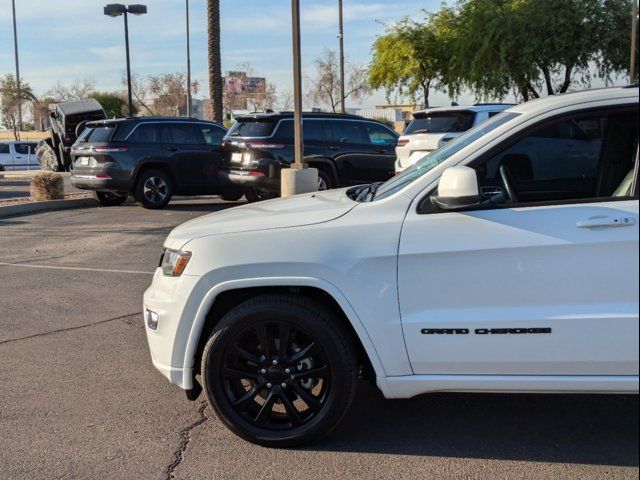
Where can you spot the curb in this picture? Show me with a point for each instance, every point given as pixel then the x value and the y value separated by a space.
pixel 37 207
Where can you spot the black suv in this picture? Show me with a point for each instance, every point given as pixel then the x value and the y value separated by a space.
pixel 152 158
pixel 346 150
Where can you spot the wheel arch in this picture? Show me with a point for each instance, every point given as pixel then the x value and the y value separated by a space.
pixel 327 166
pixel 153 165
pixel 223 297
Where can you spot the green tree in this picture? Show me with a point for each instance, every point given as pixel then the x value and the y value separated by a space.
pixel 411 58
pixel 12 99
pixel 532 46
pixel 113 103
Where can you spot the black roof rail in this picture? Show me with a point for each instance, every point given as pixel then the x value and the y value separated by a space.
pixel 489 104
pixel 632 85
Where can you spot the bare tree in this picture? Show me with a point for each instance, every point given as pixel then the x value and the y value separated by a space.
pixel 286 100
pixel 163 94
pixel 80 88
pixel 324 87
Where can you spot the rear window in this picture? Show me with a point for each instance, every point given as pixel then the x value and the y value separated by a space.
pixel 441 123
pixel 244 128
pixel 97 134
pixel 25 148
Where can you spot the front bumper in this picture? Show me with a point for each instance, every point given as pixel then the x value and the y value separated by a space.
pixel 176 301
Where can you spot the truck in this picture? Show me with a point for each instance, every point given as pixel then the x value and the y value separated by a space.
pixel 67 122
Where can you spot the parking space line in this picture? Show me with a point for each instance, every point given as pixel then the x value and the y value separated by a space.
pixel 80 269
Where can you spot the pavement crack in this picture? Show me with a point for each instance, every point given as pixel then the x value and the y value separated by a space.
pixel 185 438
pixel 60 330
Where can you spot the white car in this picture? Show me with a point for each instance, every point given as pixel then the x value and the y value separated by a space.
pixel 484 268
pixel 18 156
pixel 432 128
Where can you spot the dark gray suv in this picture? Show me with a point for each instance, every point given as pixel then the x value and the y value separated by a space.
pixel 151 158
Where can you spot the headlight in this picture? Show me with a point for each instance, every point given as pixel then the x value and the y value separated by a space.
pixel 174 262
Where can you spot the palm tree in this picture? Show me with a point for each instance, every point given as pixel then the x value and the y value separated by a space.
pixel 215 64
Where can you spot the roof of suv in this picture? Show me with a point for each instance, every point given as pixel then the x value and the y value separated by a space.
pixel 281 115
pixel 147 120
pixel 478 107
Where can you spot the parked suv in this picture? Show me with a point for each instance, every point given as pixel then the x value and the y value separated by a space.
pixel 18 156
pixel 151 158
pixel 346 150
pixel 495 264
pixel 432 128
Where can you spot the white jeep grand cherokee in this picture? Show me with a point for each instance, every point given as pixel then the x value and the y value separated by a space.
pixel 496 264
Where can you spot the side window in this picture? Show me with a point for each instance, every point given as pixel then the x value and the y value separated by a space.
pixel 25 148
pixel 580 157
pixel 144 134
pixel 212 135
pixel 311 131
pixel 379 135
pixel 186 134
pixel 4 148
pixel 344 131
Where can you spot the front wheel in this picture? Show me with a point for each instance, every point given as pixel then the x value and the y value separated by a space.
pixel 279 370
pixel 153 189
pixel 110 199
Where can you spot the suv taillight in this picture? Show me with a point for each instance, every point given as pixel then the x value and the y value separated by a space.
pixel 110 149
pixel 265 145
pixel 402 142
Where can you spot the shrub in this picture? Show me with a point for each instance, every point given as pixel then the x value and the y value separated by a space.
pixel 47 186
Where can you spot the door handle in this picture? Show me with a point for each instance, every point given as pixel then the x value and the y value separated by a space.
pixel 606 222
pixel 333 147
pixel 172 149
pixel 381 150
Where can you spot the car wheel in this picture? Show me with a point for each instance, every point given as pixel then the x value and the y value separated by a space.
pixel 279 371
pixel 154 189
pixel 324 181
pixel 232 195
pixel 110 199
pixel 254 195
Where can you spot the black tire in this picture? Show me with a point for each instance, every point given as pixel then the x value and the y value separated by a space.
pixel 325 182
pixel 254 195
pixel 110 199
pixel 232 195
pixel 323 349
pixel 153 189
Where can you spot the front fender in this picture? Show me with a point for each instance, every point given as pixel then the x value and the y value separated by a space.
pixel 208 300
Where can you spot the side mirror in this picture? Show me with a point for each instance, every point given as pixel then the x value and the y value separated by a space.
pixel 458 188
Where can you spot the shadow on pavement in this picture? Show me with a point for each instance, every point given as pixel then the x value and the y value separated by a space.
pixel 587 429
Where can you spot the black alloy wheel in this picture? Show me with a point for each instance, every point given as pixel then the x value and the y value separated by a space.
pixel 278 371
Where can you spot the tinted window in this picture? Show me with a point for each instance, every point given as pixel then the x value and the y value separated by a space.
pixel 4 148
pixel 101 134
pixel 25 148
pixel 342 131
pixel 262 128
pixel 441 122
pixel 212 135
pixel 145 134
pixel 312 131
pixel 186 134
pixel 378 135
pixel 580 157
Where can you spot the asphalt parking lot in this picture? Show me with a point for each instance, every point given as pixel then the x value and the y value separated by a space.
pixel 79 397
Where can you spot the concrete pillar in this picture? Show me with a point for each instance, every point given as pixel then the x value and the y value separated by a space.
pixel 294 181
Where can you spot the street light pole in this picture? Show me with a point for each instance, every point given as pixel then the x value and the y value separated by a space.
pixel 189 100
pixel 297 86
pixel 298 178
pixel 126 42
pixel 15 47
pixel 115 10
pixel 341 37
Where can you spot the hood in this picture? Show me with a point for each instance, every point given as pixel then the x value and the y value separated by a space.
pixel 306 209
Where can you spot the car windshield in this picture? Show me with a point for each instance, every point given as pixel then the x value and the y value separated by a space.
pixel 440 122
pixel 432 160
pixel 250 128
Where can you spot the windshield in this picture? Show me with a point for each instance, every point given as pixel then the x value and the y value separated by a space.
pixel 433 159
pixel 248 128
pixel 440 122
